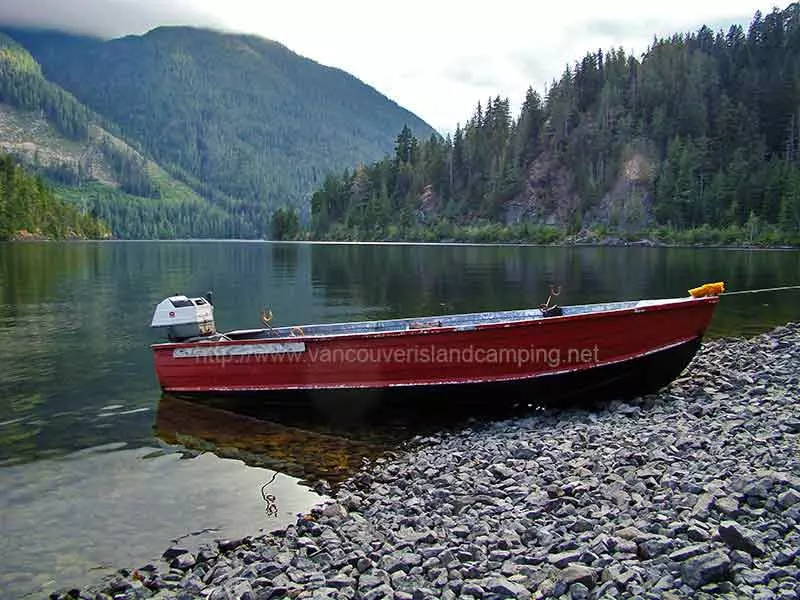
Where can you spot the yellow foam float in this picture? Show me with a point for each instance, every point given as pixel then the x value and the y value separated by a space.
pixel 708 289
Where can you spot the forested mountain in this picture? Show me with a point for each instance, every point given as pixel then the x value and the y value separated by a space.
pixel 244 121
pixel 51 133
pixel 29 208
pixel 22 84
pixel 701 134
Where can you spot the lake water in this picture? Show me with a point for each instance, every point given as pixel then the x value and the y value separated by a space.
pixel 98 472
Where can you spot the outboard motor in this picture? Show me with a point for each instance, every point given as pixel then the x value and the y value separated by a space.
pixel 184 318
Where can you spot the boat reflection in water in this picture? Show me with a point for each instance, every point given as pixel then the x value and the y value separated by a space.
pixel 307 444
pixel 291 443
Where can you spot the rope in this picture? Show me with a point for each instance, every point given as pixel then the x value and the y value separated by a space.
pixel 775 289
pixel 272 507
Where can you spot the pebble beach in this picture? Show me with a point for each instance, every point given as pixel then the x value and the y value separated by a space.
pixel 693 492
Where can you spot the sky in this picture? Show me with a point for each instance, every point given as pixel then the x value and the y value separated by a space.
pixel 437 58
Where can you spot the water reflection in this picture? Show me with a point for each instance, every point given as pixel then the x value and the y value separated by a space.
pixel 299 446
pixel 313 445
pixel 285 258
pixel 74 317
pixel 407 280
pixel 73 520
pixel 77 373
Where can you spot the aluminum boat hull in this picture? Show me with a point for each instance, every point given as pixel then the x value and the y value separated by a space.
pixel 590 352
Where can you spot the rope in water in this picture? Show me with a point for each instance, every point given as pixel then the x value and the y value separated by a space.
pixel 775 289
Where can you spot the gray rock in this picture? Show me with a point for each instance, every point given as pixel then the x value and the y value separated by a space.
pixel 272 592
pixel 380 592
pixel 579 591
pixel 174 552
pixel 624 546
pixel 183 561
pixel 727 505
pixel 243 591
pixel 232 544
pixel 655 546
pixel 501 471
pixel 507 589
pixel 741 558
pixel 334 510
pixel 401 561
pixel 364 564
pixel 340 581
pixel 607 590
pixel 752 576
pixel 752 487
pixel 583 524
pixel 633 534
pixel 207 554
pixel 778 573
pixel 523 453
pixel 578 574
pixel 706 568
pixel 788 498
pixel 431 552
pixel 741 538
pixel 623 576
pixel 472 589
pixel 697 534
pixel 704 503
pixel 688 552
pixel 562 559
pixel 367 581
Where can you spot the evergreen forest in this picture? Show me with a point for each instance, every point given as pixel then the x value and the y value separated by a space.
pixel 697 141
pixel 28 208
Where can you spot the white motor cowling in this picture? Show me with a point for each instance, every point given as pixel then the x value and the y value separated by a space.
pixel 184 318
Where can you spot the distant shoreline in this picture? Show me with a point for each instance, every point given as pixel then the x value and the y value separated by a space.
pixel 525 244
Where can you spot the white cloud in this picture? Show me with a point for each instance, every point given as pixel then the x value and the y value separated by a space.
pixel 109 18
pixel 439 58
pixel 435 58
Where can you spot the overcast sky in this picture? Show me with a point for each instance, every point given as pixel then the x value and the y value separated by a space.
pixel 435 57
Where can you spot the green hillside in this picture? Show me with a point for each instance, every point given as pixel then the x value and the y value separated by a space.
pixel 699 140
pixel 244 121
pixel 28 208
pixel 54 135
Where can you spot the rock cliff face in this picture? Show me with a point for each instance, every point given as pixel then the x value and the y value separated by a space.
pixel 549 196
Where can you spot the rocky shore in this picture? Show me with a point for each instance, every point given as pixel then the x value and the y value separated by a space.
pixel 693 492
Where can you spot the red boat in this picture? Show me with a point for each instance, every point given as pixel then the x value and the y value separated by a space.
pixel 538 355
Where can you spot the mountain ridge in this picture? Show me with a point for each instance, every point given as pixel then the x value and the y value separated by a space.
pixel 246 122
pixel 50 133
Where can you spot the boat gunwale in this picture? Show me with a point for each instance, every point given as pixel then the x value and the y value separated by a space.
pixel 653 305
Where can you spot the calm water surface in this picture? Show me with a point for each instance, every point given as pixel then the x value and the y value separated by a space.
pixel 98 472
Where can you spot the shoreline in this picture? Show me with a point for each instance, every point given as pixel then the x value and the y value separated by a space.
pixel 691 491
pixel 560 244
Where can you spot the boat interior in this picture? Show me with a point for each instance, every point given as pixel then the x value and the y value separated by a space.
pixel 463 322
